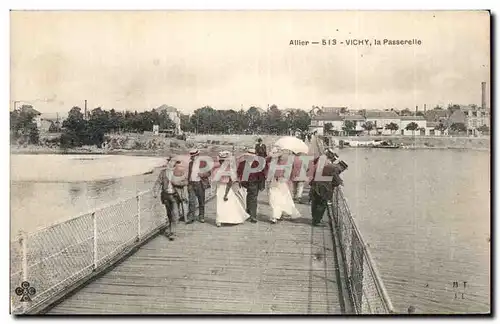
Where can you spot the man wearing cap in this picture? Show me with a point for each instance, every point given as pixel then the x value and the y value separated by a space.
pixel 196 189
pixel 322 190
pixel 253 184
pixel 171 193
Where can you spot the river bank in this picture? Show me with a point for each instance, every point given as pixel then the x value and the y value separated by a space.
pixel 146 145
pixel 424 142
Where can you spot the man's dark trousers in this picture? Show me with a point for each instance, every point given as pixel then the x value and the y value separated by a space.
pixel 171 202
pixel 196 191
pixel 252 195
pixel 320 194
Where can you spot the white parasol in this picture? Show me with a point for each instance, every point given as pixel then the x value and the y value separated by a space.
pixel 293 144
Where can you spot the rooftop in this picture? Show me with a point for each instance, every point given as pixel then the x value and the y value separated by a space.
pixel 412 118
pixel 166 108
pixel 382 114
pixel 327 116
pixel 354 117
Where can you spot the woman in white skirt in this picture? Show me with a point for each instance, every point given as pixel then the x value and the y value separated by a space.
pixel 280 198
pixel 230 209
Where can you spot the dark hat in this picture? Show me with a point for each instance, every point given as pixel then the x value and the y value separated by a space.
pixel 194 152
pixel 259 139
pixel 343 164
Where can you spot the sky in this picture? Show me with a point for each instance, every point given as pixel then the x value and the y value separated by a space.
pixel 232 59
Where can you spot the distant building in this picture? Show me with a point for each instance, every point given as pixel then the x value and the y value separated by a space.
pixel 381 119
pixel 319 121
pixel 334 110
pixel 50 122
pixel 358 121
pixel 436 116
pixel 406 120
pixel 475 117
pixel 173 114
pixel 457 117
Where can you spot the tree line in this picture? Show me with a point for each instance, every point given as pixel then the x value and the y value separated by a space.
pixel 78 130
pixel 81 130
pixel 207 120
pixel 23 128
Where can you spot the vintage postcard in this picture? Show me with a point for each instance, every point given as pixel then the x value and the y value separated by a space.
pixel 250 162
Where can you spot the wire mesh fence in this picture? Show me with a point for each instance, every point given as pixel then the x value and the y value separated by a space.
pixel 366 288
pixel 51 259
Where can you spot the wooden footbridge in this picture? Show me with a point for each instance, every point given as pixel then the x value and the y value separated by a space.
pixel 112 260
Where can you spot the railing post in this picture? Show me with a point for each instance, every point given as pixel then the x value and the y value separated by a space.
pixel 95 256
pixel 138 217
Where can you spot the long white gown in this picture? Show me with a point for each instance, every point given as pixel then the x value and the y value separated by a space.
pixel 231 211
pixel 281 201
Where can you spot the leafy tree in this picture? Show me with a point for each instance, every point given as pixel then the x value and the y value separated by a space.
pixel 483 129
pixel 452 108
pixel 75 129
pixel 392 127
pixel 440 127
pixel 23 126
pixel 186 123
pixel 348 127
pixel 254 118
pixel 368 126
pixel 458 127
pixel 412 127
pixel 327 128
pixel 420 113
pixel 298 120
pixel 438 107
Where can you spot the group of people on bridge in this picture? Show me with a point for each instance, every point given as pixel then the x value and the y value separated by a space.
pixel 239 180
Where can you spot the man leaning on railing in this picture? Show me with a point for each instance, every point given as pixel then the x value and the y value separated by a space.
pixel 322 189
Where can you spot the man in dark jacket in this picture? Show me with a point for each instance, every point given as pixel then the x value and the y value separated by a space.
pixel 322 191
pixel 196 189
pixel 254 183
pixel 260 149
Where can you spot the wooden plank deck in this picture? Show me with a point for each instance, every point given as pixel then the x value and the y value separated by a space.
pixel 262 268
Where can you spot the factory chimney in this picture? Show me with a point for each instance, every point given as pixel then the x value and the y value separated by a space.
pixel 483 95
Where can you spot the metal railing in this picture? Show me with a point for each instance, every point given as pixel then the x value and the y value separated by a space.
pixel 55 257
pixel 366 288
pixel 59 255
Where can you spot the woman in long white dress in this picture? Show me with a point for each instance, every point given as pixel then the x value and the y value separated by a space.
pixel 280 198
pixel 230 209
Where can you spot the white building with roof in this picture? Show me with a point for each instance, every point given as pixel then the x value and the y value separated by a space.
pixel 380 119
pixel 319 121
pixel 419 120
pixel 174 114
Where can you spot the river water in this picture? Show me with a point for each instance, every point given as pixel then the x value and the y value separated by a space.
pixel 425 215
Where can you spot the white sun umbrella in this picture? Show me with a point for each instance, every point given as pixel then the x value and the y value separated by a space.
pixel 292 144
